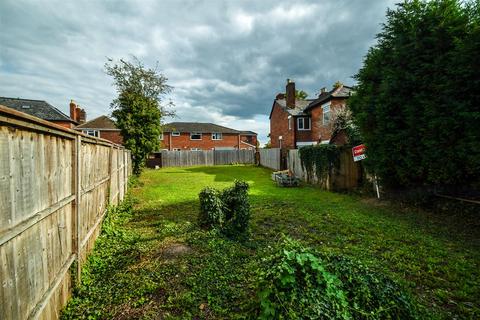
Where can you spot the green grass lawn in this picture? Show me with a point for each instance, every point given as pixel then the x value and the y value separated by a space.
pixel 157 263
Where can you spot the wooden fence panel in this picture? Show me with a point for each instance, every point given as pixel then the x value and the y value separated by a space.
pixel 270 158
pixel 346 177
pixel 206 158
pixel 246 156
pixel 54 186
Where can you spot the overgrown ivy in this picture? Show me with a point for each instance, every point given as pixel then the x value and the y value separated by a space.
pixel 298 282
pixel 319 160
pixel 227 210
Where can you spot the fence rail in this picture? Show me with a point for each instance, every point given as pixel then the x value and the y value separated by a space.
pixel 270 158
pixel 206 158
pixel 55 185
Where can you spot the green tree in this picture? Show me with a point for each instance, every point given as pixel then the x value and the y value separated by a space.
pixel 300 94
pixel 417 101
pixel 138 110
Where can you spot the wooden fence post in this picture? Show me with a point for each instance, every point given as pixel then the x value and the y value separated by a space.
pixel 118 177
pixel 110 167
pixel 78 195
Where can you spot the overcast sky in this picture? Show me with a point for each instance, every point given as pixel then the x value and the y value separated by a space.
pixel 225 59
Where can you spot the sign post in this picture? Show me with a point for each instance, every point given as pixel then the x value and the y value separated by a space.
pixel 359 152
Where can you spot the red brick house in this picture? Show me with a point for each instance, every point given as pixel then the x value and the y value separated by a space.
pixel 295 122
pixel 196 136
pixel 102 127
pixel 44 110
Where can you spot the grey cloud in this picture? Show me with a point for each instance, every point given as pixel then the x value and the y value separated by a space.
pixel 226 60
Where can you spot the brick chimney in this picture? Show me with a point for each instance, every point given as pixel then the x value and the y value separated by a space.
pixel 290 94
pixel 73 106
pixel 83 116
pixel 76 113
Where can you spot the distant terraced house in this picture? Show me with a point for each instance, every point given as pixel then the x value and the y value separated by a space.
pixel 102 127
pixel 196 136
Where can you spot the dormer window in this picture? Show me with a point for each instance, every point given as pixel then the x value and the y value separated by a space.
pixel 303 123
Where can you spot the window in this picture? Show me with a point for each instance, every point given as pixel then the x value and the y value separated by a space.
pixel 216 136
pixel 326 113
pixel 195 136
pixel 196 149
pixel 289 122
pixel 177 149
pixel 93 133
pixel 175 134
pixel 303 123
pixel 161 136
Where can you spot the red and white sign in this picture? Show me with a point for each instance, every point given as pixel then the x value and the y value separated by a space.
pixel 359 153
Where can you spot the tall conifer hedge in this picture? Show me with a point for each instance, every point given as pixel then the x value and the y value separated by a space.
pixel 417 103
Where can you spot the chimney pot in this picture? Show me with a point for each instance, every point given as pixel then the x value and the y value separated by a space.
pixel 72 109
pixel 83 116
pixel 290 94
pixel 323 90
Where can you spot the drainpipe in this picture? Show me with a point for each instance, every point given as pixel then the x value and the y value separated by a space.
pixel 170 141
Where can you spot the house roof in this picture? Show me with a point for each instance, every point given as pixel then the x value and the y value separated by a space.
pixel 340 92
pixel 102 122
pixel 201 127
pixel 37 108
pixel 300 106
pixel 248 133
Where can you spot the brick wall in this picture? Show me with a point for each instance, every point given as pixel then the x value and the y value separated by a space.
pixel 279 127
pixel 114 136
pixel 319 130
pixel 65 124
pixel 248 139
pixel 184 142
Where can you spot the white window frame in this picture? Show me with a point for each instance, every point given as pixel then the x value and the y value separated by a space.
pixel 195 149
pixel 302 127
pixel 175 134
pixel 326 110
pixel 216 135
pixel 289 122
pixel 161 136
pixel 92 132
pixel 195 134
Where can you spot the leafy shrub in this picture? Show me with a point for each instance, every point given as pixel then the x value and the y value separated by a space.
pixel 300 283
pixel 211 208
pixel 236 209
pixel 229 210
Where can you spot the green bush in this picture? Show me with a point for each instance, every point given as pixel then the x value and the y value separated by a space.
pixel 236 208
pixel 300 283
pixel 211 208
pixel 228 211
